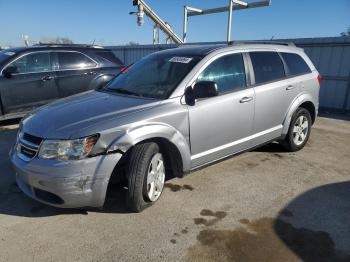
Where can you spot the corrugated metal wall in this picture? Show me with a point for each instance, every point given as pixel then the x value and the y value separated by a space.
pixel 330 55
pixel 130 54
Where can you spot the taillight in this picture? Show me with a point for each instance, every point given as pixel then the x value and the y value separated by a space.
pixel 125 70
pixel 319 79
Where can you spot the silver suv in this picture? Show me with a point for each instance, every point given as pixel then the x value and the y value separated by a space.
pixel 166 115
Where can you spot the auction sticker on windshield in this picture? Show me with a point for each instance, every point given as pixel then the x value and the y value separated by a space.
pixel 184 60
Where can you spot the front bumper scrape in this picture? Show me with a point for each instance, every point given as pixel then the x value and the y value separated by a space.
pixel 68 184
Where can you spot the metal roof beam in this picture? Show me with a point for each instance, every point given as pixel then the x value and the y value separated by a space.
pixel 227 8
pixel 240 2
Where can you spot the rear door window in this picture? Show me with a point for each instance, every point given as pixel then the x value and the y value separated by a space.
pixel 296 64
pixel 267 66
pixel 228 72
pixel 74 61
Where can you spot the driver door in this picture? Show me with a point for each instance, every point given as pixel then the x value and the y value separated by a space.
pixel 32 84
pixel 220 126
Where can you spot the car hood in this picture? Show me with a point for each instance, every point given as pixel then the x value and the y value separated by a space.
pixel 72 117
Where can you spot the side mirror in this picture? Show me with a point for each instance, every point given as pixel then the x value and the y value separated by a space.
pixel 203 89
pixel 189 96
pixel 9 71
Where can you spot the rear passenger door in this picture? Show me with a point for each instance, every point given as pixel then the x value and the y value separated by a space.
pixel 274 93
pixel 219 126
pixel 299 72
pixel 74 72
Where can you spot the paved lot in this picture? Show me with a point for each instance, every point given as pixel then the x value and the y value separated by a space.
pixel 265 205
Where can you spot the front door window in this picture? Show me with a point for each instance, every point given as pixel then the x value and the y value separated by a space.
pixel 228 72
pixel 32 63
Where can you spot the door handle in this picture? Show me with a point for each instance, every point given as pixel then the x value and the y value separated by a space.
pixel 47 78
pixel 290 87
pixel 246 99
pixel 90 73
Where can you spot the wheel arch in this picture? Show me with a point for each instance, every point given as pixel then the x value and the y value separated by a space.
pixel 171 154
pixel 309 106
pixel 100 80
pixel 305 101
pixel 171 142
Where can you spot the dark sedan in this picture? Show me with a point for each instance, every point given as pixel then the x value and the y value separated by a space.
pixel 33 76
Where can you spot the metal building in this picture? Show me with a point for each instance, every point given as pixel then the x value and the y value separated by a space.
pixel 331 56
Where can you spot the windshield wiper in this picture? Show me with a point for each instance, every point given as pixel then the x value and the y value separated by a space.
pixel 124 91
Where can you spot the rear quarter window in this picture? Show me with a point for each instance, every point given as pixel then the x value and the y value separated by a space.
pixel 267 66
pixel 296 64
pixel 107 56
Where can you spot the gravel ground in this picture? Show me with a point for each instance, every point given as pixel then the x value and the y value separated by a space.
pixel 265 205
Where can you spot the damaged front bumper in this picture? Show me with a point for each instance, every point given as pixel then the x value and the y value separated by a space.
pixel 68 184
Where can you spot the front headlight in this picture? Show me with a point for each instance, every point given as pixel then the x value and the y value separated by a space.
pixel 67 149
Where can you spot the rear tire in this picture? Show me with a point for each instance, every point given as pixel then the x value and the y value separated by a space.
pixel 146 176
pixel 299 130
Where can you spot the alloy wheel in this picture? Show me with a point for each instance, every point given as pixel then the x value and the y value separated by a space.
pixel 155 177
pixel 300 130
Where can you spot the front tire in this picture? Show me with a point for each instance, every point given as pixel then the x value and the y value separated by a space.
pixel 146 176
pixel 299 130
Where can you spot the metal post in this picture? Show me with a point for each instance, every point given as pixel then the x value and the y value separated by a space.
pixel 155 34
pixel 186 10
pixel 229 26
pixel 226 8
pixel 185 25
pixel 158 41
pixel 347 96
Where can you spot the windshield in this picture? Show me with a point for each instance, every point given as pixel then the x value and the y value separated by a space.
pixel 155 76
pixel 5 54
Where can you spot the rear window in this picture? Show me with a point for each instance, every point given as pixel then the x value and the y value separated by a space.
pixel 296 64
pixel 267 66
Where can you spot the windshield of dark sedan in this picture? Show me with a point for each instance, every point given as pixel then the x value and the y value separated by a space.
pixel 155 76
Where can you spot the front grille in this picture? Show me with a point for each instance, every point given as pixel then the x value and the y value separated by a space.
pixel 28 152
pixel 33 139
pixel 28 146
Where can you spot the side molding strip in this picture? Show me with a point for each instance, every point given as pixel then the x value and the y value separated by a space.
pixel 216 149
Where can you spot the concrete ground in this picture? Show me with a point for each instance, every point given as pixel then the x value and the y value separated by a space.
pixel 265 205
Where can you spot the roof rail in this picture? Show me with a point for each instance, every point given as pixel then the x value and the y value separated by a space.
pixel 67 45
pixel 271 42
